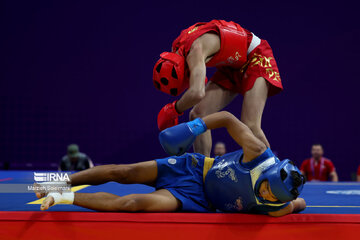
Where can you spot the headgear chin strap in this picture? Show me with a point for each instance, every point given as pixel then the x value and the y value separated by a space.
pixel 169 74
pixel 281 180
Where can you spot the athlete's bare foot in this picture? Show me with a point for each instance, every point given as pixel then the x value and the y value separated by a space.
pixel 48 202
pixel 38 192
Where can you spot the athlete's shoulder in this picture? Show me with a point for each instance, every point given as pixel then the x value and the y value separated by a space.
pixel 268 154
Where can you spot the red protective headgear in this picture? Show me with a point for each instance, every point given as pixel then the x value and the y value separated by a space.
pixel 169 74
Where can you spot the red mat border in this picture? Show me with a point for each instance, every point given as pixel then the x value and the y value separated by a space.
pixel 220 218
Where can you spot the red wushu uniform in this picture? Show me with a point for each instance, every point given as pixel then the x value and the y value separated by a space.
pixel 317 171
pixel 242 58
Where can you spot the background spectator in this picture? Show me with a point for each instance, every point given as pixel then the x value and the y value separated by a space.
pixel 318 168
pixel 219 149
pixel 358 174
pixel 75 160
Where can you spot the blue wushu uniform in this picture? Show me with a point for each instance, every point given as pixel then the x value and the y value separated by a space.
pixel 222 184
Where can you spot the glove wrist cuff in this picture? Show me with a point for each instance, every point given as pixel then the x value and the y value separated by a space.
pixel 175 110
pixel 197 126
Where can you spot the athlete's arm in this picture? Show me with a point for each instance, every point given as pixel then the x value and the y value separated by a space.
pixel 242 134
pixel 177 140
pixel 294 206
pixel 196 90
pixel 203 47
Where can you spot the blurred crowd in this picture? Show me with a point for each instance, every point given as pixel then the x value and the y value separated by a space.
pixel 316 168
pixel 75 160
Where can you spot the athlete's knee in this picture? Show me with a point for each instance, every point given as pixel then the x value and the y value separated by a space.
pixel 197 112
pixel 196 94
pixel 121 173
pixel 252 123
pixel 253 126
pixel 193 114
pixel 129 203
pixel 255 129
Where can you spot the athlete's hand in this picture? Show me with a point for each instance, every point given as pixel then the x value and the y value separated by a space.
pixel 168 116
pixel 178 139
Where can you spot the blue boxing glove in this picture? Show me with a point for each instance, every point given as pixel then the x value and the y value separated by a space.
pixel 178 139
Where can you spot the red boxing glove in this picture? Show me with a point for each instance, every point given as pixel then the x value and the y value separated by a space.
pixel 168 116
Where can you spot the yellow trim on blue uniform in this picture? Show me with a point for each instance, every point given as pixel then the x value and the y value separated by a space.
pixel 208 163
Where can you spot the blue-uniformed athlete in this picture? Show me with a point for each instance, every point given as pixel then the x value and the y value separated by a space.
pixel 250 180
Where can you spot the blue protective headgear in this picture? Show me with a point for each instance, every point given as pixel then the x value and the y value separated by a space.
pixel 285 190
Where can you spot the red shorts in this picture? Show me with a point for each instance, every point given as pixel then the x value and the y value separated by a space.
pixel 261 63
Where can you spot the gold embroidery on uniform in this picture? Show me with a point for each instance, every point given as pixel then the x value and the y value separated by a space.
pixel 261 60
pixel 274 74
pixel 244 67
pixel 237 56
pixel 270 72
pixel 265 62
pixel 192 30
pixel 194 161
pixel 234 58
pixel 230 60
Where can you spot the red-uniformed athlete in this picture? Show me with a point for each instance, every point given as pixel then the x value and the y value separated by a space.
pixel 245 64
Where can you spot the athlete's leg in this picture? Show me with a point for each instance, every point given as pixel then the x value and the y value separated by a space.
pixel 158 201
pixel 216 98
pixel 253 106
pixel 143 172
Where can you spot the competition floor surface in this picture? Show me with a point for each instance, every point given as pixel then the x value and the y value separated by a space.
pixel 333 212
